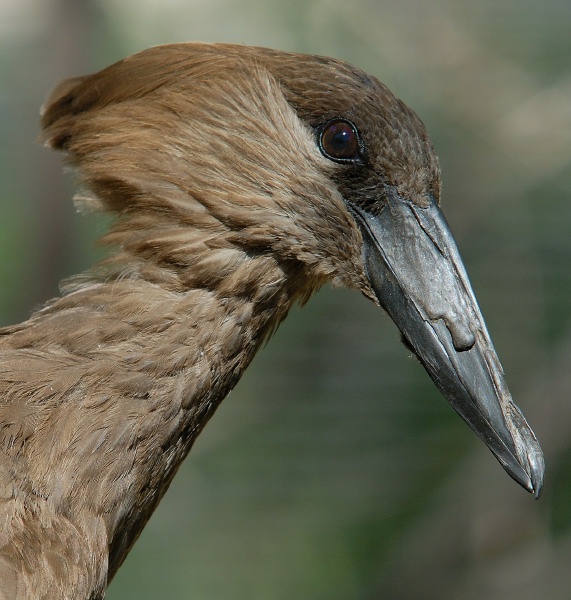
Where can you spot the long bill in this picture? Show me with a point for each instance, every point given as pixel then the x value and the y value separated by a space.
pixel 417 274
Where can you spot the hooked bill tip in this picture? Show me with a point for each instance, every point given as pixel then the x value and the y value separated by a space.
pixel 528 451
pixel 527 466
pixel 537 468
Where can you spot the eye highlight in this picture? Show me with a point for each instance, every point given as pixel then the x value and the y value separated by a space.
pixel 340 141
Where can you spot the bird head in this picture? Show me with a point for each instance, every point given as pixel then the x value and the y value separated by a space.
pixel 210 154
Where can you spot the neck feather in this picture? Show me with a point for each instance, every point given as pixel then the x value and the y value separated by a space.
pixel 137 360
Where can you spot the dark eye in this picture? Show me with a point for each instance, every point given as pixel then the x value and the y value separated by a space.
pixel 340 141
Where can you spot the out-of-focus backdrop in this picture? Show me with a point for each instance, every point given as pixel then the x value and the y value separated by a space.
pixel 335 470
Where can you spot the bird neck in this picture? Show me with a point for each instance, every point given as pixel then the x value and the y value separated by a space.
pixel 157 362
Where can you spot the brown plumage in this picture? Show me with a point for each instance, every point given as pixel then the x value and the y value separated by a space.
pixel 242 179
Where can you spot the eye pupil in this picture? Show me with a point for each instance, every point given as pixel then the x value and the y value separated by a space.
pixel 340 141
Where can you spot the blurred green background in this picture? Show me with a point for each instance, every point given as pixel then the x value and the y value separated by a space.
pixel 335 470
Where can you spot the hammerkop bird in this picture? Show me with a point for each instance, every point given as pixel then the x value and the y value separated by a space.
pixel 242 180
